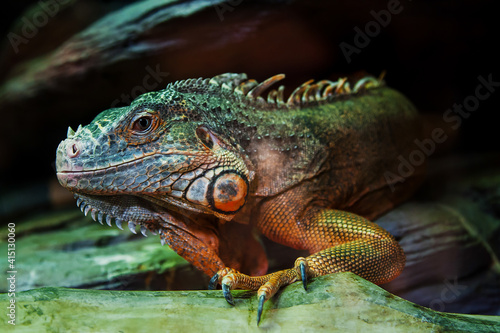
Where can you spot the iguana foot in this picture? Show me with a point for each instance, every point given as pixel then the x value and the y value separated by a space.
pixel 266 285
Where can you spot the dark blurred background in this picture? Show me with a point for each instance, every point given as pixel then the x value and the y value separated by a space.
pixel 85 55
pixel 64 61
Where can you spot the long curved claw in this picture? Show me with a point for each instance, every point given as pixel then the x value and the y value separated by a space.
pixel 262 300
pixel 302 268
pixel 226 290
pixel 303 274
pixel 214 281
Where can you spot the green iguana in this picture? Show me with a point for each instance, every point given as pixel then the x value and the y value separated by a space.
pixel 206 162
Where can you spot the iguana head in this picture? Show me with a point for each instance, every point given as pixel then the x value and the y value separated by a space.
pixel 166 149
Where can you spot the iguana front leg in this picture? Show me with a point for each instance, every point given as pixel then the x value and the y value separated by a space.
pixel 210 246
pixel 197 245
pixel 339 241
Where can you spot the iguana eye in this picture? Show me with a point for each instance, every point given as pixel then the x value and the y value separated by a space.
pixel 205 136
pixel 143 125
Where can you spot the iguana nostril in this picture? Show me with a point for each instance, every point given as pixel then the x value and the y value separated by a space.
pixel 73 149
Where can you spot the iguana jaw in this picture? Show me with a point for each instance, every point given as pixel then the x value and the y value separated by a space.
pixel 133 211
pixel 128 209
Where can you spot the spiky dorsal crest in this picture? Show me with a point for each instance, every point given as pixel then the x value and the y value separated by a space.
pixel 251 91
pixel 199 85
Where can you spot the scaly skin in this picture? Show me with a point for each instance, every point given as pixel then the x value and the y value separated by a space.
pixel 205 162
